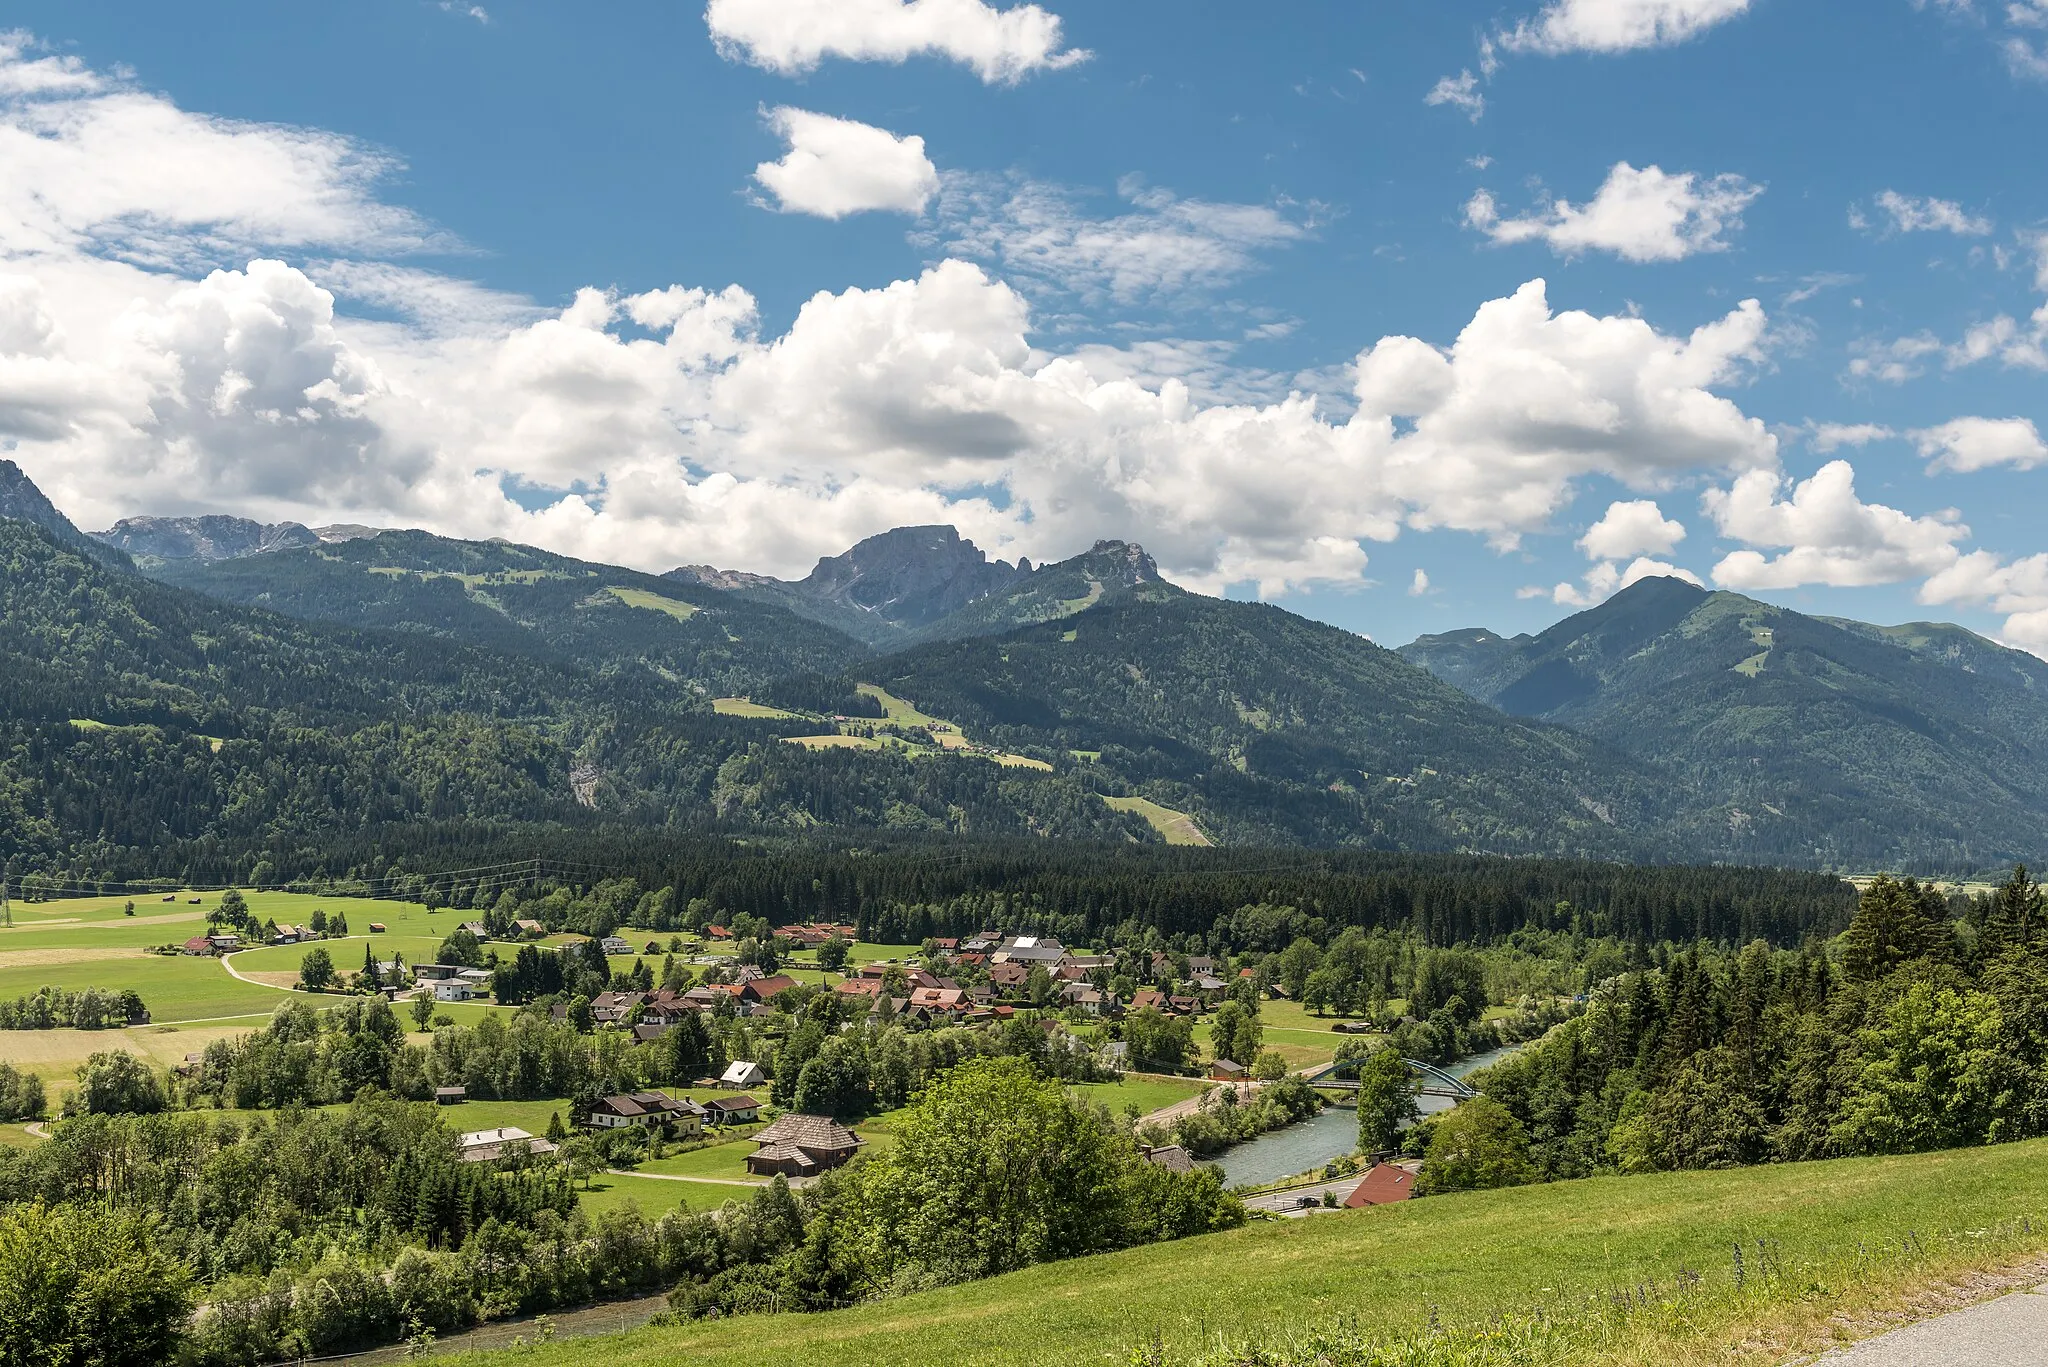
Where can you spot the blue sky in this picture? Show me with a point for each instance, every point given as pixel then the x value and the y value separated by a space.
pixel 1079 306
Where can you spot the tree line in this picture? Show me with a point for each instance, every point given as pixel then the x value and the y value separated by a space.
pixel 1926 1029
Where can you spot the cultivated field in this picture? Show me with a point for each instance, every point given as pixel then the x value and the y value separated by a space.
pixel 92 942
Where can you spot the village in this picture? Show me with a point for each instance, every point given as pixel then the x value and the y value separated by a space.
pixel 1080 1000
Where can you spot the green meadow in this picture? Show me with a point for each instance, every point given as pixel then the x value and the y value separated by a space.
pixel 1842 1235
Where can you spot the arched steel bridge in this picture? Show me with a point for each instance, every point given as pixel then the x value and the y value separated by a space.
pixel 1434 1080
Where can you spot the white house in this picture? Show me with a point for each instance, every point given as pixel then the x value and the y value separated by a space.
pixel 488 1146
pixel 742 1074
pixel 453 990
pixel 614 946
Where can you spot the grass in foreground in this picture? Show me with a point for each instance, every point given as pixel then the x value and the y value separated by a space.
pixel 1843 1236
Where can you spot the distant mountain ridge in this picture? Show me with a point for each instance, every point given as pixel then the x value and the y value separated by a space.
pixel 884 589
pixel 1669 723
pixel 918 584
pixel 216 537
pixel 1808 737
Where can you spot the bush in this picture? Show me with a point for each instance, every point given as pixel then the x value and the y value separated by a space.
pixel 83 1286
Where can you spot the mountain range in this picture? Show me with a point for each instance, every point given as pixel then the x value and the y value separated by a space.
pixel 260 683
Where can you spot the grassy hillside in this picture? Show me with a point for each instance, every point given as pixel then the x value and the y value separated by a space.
pixel 1461 1259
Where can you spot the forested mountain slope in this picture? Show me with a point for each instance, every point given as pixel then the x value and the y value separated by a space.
pixel 528 602
pixel 135 714
pixel 1271 727
pixel 1809 740
pixel 22 500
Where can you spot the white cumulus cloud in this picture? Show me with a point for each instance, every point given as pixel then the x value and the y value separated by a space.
pixel 94 164
pixel 666 425
pixel 1634 528
pixel 1618 25
pixel 791 37
pixel 1527 400
pixel 2018 588
pixel 1605 580
pixel 1639 215
pixel 1824 533
pixel 835 167
pixel 1966 444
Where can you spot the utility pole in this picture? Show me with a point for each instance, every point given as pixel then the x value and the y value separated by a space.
pixel 6 908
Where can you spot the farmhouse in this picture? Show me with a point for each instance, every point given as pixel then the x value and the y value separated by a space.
pixel 732 1110
pixel 766 989
pixel 801 1146
pixel 1085 998
pixel 532 930
pixel 476 928
pixel 646 1109
pixel 1172 1157
pixel 198 944
pixel 1009 977
pixel 614 946
pixel 489 1146
pixel 613 1008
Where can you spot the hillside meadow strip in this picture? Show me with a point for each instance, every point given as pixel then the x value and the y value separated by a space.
pixel 1835 1235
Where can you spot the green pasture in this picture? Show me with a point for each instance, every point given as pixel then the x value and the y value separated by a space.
pixel 1149 1092
pixel 1461 1260
pixel 610 1191
pixel 1176 828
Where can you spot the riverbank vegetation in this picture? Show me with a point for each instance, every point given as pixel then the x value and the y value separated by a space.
pixel 1927 1030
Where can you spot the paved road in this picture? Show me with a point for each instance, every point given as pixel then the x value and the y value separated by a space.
pixel 2011 1331
pixel 1288 1201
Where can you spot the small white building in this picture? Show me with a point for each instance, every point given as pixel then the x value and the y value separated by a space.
pixel 743 1075
pixel 453 990
pixel 614 946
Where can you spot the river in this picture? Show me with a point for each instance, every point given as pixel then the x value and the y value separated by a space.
pixel 1315 1141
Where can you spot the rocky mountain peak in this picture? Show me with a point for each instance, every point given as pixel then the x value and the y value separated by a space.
pixel 205 538
pixel 911 576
